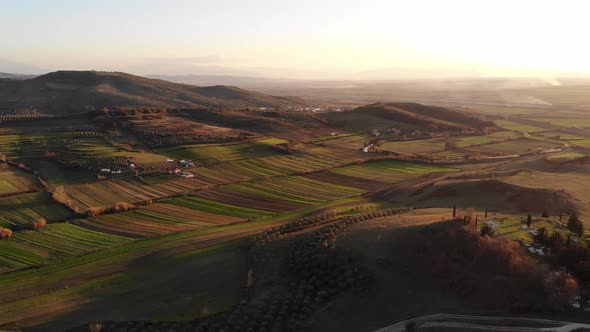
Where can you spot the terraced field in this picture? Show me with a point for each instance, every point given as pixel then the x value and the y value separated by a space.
pixel 18 211
pixel 14 181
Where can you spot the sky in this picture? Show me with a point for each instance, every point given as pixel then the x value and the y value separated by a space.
pixel 320 39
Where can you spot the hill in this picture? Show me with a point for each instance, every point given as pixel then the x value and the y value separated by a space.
pixel 408 116
pixel 64 91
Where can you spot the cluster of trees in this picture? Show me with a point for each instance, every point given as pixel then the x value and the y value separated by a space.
pixel 155 138
pixel 575 225
pixel 281 232
pixel 497 270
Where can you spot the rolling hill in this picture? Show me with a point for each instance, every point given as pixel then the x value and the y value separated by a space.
pixel 407 116
pixel 65 91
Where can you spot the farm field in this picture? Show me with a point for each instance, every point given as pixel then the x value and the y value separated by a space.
pixel 52 243
pixel 209 154
pixel 389 171
pixel 560 120
pixel 514 126
pixel 15 181
pixel 414 147
pixel 296 189
pixel 130 190
pixel 21 211
pixel 156 220
pixel 514 147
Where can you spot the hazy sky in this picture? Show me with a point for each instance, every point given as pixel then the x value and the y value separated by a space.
pixel 319 38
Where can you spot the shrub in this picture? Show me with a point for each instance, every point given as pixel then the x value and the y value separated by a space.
pixel 5 233
pixel 39 223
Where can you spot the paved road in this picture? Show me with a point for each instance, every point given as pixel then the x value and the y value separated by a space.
pixel 462 323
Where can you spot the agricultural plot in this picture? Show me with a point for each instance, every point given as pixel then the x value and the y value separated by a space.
pixel 14 181
pixel 248 200
pixel 449 155
pixel 514 126
pixel 389 170
pixel 22 210
pixel 476 140
pixel 564 156
pixel 558 135
pixel 201 204
pixel 240 170
pixel 156 220
pixel 563 121
pixel 513 147
pixel 347 141
pixel 297 189
pixel 209 154
pixel 130 190
pixel 415 146
pixel 52 242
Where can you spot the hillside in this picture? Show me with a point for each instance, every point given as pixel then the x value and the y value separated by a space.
pixel 64 91
pixel 407 116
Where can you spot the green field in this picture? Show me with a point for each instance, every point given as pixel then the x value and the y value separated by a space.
pixel 209 154
pixel 209 206
pixel 414 147
pixel 52 242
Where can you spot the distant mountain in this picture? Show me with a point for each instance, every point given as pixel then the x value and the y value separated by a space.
pixel 64 91
pixel 15 76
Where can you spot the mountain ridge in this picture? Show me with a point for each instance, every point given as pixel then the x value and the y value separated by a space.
pixel 64 91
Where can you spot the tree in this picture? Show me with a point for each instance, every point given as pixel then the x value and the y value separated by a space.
pixel 556 242
pixel 575 225
pixel 454 210
pixel 560 214
pixel 541 238
pixel 545 213
pixel 529 220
